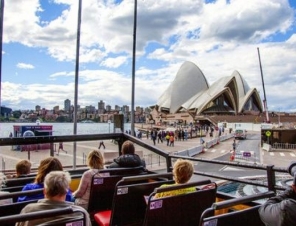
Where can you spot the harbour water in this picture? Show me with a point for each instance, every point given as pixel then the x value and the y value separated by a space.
pixel 67 128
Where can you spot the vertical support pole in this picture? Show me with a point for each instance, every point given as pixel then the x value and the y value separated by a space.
pixel 270 178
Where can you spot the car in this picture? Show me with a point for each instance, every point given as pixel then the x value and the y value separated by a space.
pixel 240 134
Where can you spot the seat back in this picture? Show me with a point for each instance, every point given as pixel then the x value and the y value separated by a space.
pixel 103 187
pixel 54 213
pixel 244 217
pixel 129 203
pixel 21 181
pixel 184 209
pixel 15 208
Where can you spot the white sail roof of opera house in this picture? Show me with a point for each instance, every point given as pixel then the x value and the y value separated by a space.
pixel 188 81
pixel 190 92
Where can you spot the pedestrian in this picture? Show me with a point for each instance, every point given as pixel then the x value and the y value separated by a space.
pixel 234 145
pixel 61 147
pixel 172 139
pixel 167 137
pixel 159 135
pixel 102 144
pixel 153 136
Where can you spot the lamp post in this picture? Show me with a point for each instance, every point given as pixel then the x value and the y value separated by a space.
pixel 76 81
pixel 109 122
pixel 133 70
pixel 279 114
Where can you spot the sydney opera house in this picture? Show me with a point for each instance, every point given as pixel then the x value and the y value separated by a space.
pixel 190 97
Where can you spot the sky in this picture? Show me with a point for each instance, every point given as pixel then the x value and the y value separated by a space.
pixel 39 49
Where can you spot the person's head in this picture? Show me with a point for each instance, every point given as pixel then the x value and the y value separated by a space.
pixel 56 184
pixel 46 166
pixel 23 167
pixel 182 171
pixel 95 160
pixel 128 148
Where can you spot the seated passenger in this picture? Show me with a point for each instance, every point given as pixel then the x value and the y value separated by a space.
pixel 56 186
pixel 128 157
pixel 281 209
pixel 95 161
pixel 2 184
pixel 46 166
pixel 23 168
pixel 182 171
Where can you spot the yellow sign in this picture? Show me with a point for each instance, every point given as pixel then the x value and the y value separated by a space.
pixel 268 133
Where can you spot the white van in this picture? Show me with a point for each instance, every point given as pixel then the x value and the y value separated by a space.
pixel 240 134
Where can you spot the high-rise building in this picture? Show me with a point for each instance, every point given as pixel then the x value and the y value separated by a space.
pixel 90 109
pixel 117 108
pixel 101 107
pixel 108 108
pixel 125 109
pixel 37 108
pixel 56 109
pixel 139 109
pixel 67 106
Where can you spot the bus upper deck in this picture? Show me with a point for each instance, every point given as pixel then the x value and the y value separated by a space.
pixel 270 185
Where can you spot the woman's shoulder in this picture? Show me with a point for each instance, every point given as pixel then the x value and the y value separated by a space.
pixel 32 186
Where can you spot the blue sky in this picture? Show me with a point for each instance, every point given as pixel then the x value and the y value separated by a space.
pixel 218 36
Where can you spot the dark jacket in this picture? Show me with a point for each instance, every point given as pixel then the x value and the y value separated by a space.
pixel 279 210
pixel 127 160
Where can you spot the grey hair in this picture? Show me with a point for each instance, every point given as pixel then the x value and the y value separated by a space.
pixel 2 180
pixel 57 183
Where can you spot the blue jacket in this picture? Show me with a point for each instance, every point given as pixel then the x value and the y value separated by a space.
pixel 33 186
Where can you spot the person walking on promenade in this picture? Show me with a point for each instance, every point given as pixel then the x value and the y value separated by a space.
pixel 61 147
pixel 167 137
pixel 159 136
pixel 172 139
pixel 234 146
pixel 153 136
pixel 102 144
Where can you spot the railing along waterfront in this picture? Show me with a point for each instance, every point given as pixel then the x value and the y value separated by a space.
pixel 158 156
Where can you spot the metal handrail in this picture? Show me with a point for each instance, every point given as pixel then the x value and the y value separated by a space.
pixel 270 170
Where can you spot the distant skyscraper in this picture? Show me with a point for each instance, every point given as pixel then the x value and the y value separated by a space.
pixel 108 108
pixel 139 109
pixel 90 109
pixel 117 108
pixel 67 105
pixel 56 109
pixel 101 107
pixel 125 109
pixel 37 108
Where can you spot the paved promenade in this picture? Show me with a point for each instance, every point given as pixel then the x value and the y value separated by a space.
pixel 10 157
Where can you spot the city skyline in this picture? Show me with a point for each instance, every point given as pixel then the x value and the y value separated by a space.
pixel 218 36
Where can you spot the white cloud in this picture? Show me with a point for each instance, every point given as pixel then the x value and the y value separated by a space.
pixel 219 37
pixel 25 66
